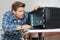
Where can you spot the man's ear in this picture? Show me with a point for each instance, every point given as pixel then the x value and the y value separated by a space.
pixel 14 11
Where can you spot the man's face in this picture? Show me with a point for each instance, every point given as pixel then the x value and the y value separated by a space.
pixel 19 13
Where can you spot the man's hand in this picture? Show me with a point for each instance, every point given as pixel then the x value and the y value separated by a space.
pixel 36 7
pixel 26 26
pixel 23 27
pixel 19 27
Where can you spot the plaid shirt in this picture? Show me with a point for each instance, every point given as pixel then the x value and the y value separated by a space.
pixel 10 22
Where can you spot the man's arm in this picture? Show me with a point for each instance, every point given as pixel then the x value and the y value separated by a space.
pixel 7 25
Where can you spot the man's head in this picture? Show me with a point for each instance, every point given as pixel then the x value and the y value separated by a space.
pixel 18 9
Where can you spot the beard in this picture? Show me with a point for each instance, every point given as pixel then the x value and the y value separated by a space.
pixel 19 16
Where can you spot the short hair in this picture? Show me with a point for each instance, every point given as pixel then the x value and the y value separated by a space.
pixel 17 4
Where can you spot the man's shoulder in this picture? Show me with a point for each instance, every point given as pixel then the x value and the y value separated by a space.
pixel 26 12
pixel 8 13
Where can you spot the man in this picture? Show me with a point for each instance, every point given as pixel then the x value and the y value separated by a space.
pixel 14 21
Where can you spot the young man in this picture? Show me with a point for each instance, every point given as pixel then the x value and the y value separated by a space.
pixel 15 20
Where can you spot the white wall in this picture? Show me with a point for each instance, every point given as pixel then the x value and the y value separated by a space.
pixel 6 4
